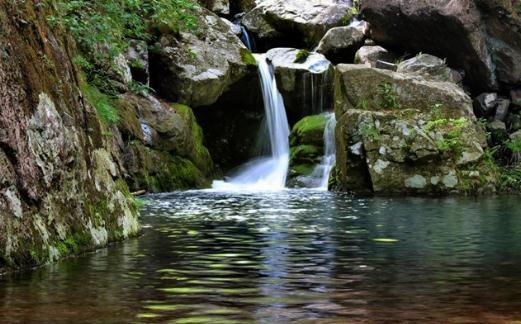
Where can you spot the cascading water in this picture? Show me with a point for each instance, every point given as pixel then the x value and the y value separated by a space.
pixel 246 39
pixel 329 158
pixel 319 178
pixel 266 173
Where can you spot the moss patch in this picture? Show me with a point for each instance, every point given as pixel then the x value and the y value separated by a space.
pixel 247 57
pixel 101 102
pixel 309 131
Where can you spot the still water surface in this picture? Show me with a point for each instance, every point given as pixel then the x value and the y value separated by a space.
pixel 290 257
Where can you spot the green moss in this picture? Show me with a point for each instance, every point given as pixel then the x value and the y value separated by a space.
pixel 302 56
pixel 303 169
pixel 247 57
pixel 199 155
pixel 309 153
pixel 101 102
pixel 309 130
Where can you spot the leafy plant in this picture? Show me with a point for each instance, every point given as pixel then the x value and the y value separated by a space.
pixel 102 28
pixel 370 132
pixel 514 145
pixel 140 88
pixel 388 96
pixel 451 139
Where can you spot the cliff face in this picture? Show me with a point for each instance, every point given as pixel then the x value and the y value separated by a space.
pixel 60 191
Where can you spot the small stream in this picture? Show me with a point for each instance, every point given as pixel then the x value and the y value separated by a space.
pixel 294 256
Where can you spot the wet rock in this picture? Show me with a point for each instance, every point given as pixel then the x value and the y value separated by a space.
pixel 371 54
pixel 306 86
pixel 428 66
pixel 307 148
pixel 196 69
pixel 341 43
pixel 236 29
pixel 305 19
pixel 401 133
pixel 485 104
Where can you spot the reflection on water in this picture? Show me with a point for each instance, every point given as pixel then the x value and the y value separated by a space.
pixel 296 256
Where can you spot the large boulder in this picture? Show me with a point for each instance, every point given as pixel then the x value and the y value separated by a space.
pixel 196 68
pixel 304 80
pixel 302 19
pixel 400 133
pixel 341 43
pixel 479 36
pixel 161 145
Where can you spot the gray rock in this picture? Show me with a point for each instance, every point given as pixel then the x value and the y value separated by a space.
pixel 429 66
pixel 385 66
pixel 137 58
pixel 502 109
pixel 485 103
pixel 310 19
pixel 196 69
pixel 306 87
pixel 339 39
pixel 371 54
pixel 403 148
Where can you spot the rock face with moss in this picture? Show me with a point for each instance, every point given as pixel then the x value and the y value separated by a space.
pixel 307 149
pixel 196 67
pixel 161 145
pixel 60 189
pixel 304 79
pixel 400 133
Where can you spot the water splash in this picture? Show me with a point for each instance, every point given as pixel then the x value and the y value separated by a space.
pixel 266 173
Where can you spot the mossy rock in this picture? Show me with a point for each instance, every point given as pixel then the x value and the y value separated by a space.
pixel 309 131
pixel 306 153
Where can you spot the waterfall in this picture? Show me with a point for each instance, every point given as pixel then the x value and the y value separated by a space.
pixel 329 158
pixel 319 178
pixel 246 39
pixel 266 173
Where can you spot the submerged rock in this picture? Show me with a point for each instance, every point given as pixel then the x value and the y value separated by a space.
pixel 399 133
